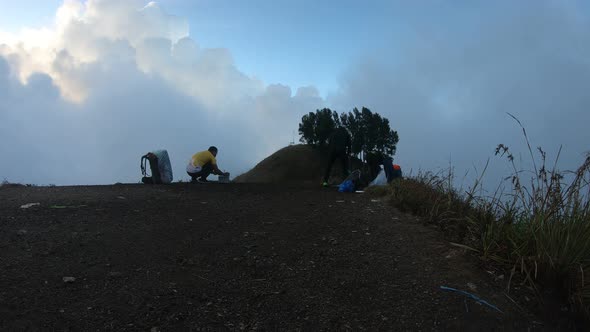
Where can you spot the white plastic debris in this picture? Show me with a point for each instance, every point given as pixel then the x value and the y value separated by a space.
pixel 26 206
pixel 380 180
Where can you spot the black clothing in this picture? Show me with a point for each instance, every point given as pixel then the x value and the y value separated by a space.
pixel 340 140
pixel 205 171
pixel 339 144
pixel 344 162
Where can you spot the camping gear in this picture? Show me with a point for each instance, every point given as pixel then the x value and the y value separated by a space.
pixel 160 167
pixel 346 187
pixel 223 178
pixel 380 180
pixel 350 183
pixel 397 171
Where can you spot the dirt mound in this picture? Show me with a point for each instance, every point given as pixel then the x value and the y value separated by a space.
pixel 295 164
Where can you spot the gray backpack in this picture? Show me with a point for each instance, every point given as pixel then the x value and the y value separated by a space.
pixel 160 167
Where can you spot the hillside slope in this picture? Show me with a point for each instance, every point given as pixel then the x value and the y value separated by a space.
pixel 301 164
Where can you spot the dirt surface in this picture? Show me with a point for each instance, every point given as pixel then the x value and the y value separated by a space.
pixel 232 257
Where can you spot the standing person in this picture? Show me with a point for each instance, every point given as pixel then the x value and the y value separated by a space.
pixel 339 144
pixel 202 164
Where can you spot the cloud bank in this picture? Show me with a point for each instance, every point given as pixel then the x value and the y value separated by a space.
pixel 448 80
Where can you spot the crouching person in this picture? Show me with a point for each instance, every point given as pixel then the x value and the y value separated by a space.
pixel 377 159
pixel 202 164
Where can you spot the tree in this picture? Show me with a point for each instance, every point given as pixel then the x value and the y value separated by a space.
pixel 351 122
pixel 307 129
pixel 370 132
pixel 315 128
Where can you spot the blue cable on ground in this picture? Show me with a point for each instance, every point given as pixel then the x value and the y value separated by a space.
pixel 475 298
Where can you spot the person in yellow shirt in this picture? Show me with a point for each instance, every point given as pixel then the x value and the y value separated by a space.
pixel 202 164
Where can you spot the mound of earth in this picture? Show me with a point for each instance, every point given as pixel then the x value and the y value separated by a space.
pixel 296 164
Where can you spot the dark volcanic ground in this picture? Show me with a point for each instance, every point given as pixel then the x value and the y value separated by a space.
pixel 211 256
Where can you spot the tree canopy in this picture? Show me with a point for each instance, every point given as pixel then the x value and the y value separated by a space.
pixel 370 132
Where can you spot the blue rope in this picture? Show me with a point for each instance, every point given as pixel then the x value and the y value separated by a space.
pixel 475 298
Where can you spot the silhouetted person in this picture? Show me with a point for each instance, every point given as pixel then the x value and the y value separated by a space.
pixel 376 159
pixel 202 164
pixel 339 145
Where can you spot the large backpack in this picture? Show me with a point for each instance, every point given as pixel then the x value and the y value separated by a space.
pixel 160 167
pixel 397 171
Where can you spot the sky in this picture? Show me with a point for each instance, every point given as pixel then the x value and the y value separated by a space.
pixel 87 87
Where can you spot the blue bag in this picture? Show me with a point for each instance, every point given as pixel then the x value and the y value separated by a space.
pixel 346 187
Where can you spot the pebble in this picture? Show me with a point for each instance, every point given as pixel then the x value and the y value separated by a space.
pixel 69 280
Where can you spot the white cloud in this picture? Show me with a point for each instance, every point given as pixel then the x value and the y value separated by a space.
pixel 111 80
pixel 447 83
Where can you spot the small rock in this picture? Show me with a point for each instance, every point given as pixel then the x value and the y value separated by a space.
pixel 155 329
pixel 69 280
pixel 472 286
pixel 21 232
pixel 121 197
pixel 115 274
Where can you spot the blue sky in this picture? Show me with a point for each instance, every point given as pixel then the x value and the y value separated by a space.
pixel 296 43
pixel 292 42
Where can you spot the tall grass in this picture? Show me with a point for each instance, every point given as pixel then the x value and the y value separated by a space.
pixel 538 230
